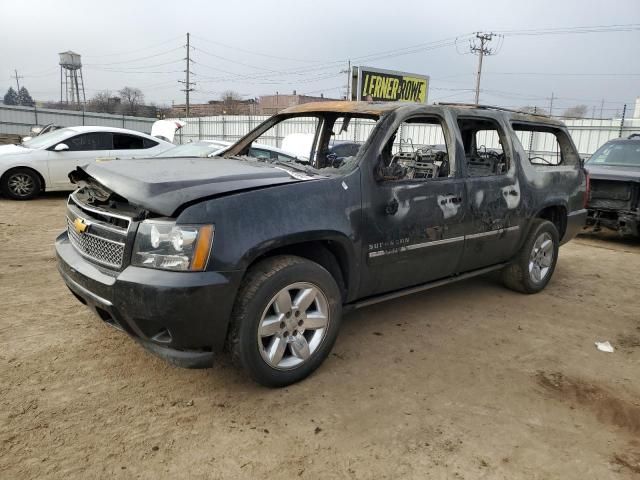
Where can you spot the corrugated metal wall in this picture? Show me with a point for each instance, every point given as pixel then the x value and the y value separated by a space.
pixel 19 120
pixel 588 134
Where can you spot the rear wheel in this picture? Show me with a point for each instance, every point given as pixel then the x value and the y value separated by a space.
pixel 21 184
pixel 285 321
pixel 533 267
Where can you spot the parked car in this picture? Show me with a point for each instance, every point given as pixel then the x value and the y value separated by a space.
pixel 44 162
pixel 194 258
pixel 614 198
pixel 210 148
pixel 38 130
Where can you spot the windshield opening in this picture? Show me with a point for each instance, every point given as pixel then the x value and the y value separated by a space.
pixel 324 143
pixel 620 154
pixel 49 139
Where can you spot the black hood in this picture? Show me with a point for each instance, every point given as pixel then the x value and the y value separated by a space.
pixel 163 185
pixel 614 172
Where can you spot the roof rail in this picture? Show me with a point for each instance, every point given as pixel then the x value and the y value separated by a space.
pixel 634 135
pixel 491 107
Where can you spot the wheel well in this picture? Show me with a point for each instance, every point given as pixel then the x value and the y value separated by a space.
pixel 25 168
pixel 326 253
pixel 557 215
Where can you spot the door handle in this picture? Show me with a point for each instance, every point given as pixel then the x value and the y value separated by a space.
pixel 392 207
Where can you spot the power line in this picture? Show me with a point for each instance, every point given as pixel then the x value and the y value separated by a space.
pixel 572 30
pixel 137 50
pixel 251 52
pixel 134 59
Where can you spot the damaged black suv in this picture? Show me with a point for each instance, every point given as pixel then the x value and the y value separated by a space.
pixel 260 257
pixel 614 198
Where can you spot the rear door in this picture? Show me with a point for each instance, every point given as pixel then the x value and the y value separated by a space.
pixel 493 192
pixel 83 148
pixel 127 145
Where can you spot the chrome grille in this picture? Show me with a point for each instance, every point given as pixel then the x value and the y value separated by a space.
pixel 101 250
pixel 102 241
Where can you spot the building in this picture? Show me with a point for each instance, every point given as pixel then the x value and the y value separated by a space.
pixel 264 105
pixel 217 107
pixel 272 104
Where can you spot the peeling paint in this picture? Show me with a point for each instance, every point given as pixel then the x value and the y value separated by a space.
pixel 511 194
pixel 448 205
pixel 479 197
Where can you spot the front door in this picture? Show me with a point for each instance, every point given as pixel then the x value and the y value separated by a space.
pixel 82 149
pixel 415 210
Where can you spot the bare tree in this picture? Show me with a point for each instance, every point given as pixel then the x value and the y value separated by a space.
pixel 578 111
pixel 132 99
pixel 103 102
pixel 231 101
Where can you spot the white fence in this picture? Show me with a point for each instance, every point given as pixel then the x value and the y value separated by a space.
pixel 19 120
pixel 588 134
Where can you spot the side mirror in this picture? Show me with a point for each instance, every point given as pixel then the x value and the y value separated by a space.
pixel 61 147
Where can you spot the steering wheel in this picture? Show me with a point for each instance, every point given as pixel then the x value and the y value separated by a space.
pixel 334 161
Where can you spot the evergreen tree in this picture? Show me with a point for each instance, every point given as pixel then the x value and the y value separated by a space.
pixel 24 98
pixel 11 97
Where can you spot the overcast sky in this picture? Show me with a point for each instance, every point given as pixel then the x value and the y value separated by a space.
pixel 260 47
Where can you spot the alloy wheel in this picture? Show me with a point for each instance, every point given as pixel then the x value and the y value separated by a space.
pixel 293 325
pixel 541 257
pixel 21 184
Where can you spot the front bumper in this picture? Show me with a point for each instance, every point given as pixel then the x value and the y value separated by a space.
pixel 180 316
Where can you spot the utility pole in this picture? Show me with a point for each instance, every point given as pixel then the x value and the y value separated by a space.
pixel 17 79
pixel 187 82
pixel 551 106
pixel 348 72
pixel 481 50
pixel 601 107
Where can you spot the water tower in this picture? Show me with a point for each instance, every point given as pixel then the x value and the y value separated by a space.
pixel 71 82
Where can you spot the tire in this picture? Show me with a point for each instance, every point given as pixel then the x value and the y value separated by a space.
pixel 21 184
pixel 273 339
pixel 533 266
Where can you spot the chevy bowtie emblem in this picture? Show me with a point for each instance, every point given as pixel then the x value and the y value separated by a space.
pixel 79 225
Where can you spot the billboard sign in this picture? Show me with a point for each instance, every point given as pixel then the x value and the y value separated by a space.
pixel 375 84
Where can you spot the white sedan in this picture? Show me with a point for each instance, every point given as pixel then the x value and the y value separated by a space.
pixel 44 162
pixel 211 148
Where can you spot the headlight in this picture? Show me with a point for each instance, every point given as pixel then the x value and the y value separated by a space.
pixel 165 245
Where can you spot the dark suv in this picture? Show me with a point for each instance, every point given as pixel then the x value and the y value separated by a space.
pixel 614 199
pixel 192 257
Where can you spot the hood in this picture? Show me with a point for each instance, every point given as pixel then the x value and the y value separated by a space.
pixel 163 185
pixel 166 129
pixel 613 172
pixel 13 150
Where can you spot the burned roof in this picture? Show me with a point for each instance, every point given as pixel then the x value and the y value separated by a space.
pixel 380 108
pixel 342 106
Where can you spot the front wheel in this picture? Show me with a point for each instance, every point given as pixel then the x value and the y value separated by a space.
pixel 533 266
pixel 21 184
pixel 285 321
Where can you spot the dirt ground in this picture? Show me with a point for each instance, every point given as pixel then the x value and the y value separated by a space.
pixel 469 381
